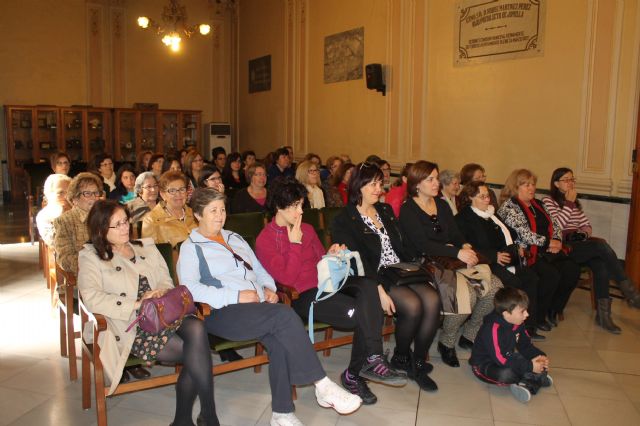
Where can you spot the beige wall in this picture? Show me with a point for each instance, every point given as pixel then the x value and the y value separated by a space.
pixel 576 105
pixel 92 52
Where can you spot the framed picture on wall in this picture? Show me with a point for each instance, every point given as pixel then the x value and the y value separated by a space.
pixel 260 74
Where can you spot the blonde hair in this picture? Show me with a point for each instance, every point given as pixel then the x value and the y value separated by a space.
pixel 302 171
pixel 515 179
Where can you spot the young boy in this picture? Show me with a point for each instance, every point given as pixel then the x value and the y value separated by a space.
pixel 503 354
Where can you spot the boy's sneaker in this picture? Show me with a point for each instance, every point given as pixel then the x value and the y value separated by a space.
pixel 285 419
pixel 546 380
pixel 377 369
pixel 358 386
pixel 330 395
pixel 520 391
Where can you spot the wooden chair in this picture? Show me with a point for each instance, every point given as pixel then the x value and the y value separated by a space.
pixel 248 225
pixel 68 335
pixel 586 283
pixel 313 217
pixel 328 214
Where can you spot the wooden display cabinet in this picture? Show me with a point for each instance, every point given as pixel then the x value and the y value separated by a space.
pixel 85 132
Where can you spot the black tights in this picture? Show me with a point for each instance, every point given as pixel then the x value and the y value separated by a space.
pixel 190 347
pixel 418 317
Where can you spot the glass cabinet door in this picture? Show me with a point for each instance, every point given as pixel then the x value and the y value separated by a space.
pixel 47 133
pixel 72 133
pixel 190 126
pixel 97 124
pixel 149 131
pixel 169 132
pixel 126 135
pixel 22 136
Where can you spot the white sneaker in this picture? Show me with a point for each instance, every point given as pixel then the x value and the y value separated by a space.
pixel 285 419
pixel 329 394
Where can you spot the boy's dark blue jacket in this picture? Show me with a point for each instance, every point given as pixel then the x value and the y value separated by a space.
pixel 504 344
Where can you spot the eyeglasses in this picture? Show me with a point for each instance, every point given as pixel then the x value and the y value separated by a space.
pixel 214 179
pixel 364 165
pixel 313 171
pixel 436 224
pixel 150 187
pixel 239 258
pixel 174 191
pixel 122 224
pixel 89 194
pixel 568 180
pixel 484 196
pixel 106 164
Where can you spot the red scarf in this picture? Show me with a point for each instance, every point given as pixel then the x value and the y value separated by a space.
pixel 533 249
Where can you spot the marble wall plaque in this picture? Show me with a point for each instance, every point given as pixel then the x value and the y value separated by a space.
pixel 344 56
pixel 260 74
pixel 498 29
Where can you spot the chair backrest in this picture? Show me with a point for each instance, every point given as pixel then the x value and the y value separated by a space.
pixel 248 225
pixel 328 215
pixel 313 217
pixel 166 251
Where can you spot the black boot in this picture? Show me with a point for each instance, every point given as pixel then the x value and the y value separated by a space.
pixel 553 318
pixel 448 355
pixel 603 317
pixel 421 375
pixel 631 292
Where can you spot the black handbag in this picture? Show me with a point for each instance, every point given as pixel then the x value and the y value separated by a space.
pixel 404 273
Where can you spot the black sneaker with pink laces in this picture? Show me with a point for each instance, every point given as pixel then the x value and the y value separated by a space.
pixel 377 369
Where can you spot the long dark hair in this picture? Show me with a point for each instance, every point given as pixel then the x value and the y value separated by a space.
pixel 126 167
pixel 226 171
pixel 554 191
pixel 361 175
pixel 98 223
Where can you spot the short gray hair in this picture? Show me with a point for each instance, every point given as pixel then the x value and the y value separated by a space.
pixel 52 181
pixel 201 198
pixel 140 181
pixel 447 176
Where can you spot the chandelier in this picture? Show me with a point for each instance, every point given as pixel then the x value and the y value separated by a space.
pixel 174 26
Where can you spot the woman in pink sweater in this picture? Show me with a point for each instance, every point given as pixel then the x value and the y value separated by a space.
pixel 290 250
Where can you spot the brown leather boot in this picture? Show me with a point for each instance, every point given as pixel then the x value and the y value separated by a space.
pixel 603 317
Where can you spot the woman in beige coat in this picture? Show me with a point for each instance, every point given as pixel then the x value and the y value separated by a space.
pixel 115 275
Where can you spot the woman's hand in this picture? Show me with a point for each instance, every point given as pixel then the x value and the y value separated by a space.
pixel 248 296
pixel 385 301
pixel 468 256
pixel 504 258
pixel 335 248
pixel 154 293
pixel 219 187
pixel 554 246
pixel 571 195
pixel 270 296
pixel 295 232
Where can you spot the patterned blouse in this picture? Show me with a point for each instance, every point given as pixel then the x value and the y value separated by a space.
pixel 388 256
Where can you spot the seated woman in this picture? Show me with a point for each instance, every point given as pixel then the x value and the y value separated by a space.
pixel 539 233
pixel 491 237
pixel 142 163
pixel 146 188
pixel 156 164
pixel 331 167
pixel 103 164
pixel 193 164
pixel 308 174
pixel 253 197
pixel 70 228
pixel 290 251
pixel 473 172
pixel 116 274
pixel 565 208
pixel 55 195
pixel 431 230
pixel 450 188
pixel 60 163
pixel 125 185
pixel 171 219
pixel 211 178
pixel 398 191
pixel 338 184
pixel 171 163
pixel 369 227
pixel 220 269
pixel 232 174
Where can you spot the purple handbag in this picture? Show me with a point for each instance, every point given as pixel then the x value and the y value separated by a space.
pixel 157 313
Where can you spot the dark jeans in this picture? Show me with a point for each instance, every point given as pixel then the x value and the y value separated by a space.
pixel 292 358
pixel 526 280
pixel 356 307
pixel 603 262
pixel 502 376
pixel 565 273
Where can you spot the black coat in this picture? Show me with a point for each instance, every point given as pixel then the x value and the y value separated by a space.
pixel 423 238
pixel 483 234
pixel 349 229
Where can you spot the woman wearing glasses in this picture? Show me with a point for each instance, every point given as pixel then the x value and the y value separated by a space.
pixel 220 269
pixel 146 188
pixel 171 219
pixel 597 254
pixel 431 230
pixel 211 178
pixel 71 228
pixel 538 232
pixel 308 174
pixel 369 227
pixel 193 164
pixel 491 237
pixel 116 274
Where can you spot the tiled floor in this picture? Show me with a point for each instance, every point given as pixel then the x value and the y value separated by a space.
pixel 597 376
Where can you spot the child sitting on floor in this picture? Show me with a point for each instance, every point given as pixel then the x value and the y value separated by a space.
pixel 503 353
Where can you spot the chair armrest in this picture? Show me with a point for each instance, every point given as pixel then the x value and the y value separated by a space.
pixel 286 294
pixel 203 309
pixel 98 320
pixel 70 279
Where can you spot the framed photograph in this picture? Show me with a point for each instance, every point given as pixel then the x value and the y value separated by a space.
pixel 260 74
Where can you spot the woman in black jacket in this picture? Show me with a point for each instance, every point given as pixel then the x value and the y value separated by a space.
pixel 430 225
pixel 370 227
pixel 491 237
